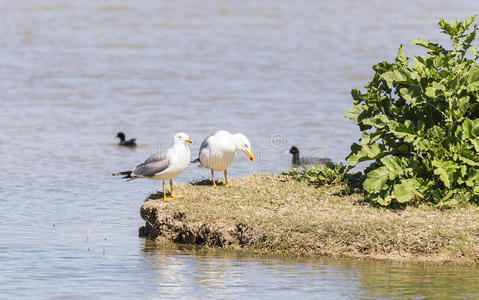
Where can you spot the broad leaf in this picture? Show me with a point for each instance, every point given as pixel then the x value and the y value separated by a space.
pixel 473 74
pixel 446 171
pixel 406 191
pixel 366 152
pixel 406 130
pixel 376 180
pixel 354 112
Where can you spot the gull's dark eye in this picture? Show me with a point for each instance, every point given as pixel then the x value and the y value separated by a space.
pixel 246 145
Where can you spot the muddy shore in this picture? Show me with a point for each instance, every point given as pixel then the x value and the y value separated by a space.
pixel 264 214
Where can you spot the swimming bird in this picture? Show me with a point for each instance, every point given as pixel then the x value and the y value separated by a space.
pixel 218 151
pixel 297 160
pixel 164 164
pixel 123 142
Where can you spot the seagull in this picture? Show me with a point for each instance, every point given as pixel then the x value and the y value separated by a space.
pixel 123 142
pixel 164 164
pixel 297 160
pixel 218 150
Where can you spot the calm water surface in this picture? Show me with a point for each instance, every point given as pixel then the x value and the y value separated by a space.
pixel 73 73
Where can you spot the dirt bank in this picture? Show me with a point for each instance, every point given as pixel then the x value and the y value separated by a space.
pixel 264 214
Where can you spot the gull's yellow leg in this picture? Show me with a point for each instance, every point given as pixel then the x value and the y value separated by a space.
pixel 213 176
pixel 164 193
pixel 226 179
pixel 172 193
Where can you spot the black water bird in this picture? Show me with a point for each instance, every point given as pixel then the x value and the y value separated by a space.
pixel 123 142
pixel 297 160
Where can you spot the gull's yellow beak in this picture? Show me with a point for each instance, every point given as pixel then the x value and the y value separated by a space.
pixel 251 156
pixel 189 141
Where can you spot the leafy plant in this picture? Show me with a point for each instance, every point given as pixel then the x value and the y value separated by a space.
pixel 419 123
pixel 319 175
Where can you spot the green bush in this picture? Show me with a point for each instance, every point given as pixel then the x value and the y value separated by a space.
pixel 419 123
pixel 319 175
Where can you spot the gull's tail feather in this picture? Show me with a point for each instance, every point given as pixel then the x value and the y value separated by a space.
pixel 126 174
pixel 200 165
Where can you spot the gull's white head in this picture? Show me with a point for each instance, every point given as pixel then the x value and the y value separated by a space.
pixel 181 138
pixel 242 144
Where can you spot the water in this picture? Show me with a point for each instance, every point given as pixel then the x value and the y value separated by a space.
pixel 73 73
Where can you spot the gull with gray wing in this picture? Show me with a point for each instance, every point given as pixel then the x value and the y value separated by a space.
pixel 218 151
pixel 164 164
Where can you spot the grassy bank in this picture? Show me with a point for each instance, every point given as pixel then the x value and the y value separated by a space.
pixel 266 214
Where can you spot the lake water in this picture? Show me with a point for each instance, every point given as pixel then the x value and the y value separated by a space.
pixel 74 73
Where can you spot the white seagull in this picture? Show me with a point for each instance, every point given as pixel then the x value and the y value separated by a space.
pixel 218 150
pixel 164 164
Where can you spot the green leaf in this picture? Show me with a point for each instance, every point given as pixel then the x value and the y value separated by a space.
pixel 473 74
pixel 383 201
pixel 446 171
pixel 401 51
pixel 394 76
pixel 400 76
pixel 370 138
pixel 473 51
pixel 475 130
pixel 393 165
pixel 473 179
pixel 473 87
pixel 475 143
pixel 438 61
pixel 354 158
pixel 406 191
pixel 364 153
pixel 357 96
pixel 354 112
pixel 403 148
pixel 373 151
pixel 469 157
pixel 435 90
pixel 467 127
pixel 406 130
pixel 467 22
pixel 421 62
pixel 400 59
pixel 427 44
pixel 376 180
pixel 462 106
pixel 410 93
pixel 378 121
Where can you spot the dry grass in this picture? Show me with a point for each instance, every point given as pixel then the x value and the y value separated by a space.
pixel 263 214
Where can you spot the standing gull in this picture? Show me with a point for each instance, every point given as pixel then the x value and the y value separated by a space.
pixel 164 164
pixel 218 150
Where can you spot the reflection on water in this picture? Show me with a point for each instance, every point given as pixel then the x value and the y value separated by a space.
pixel 224 275
pixel 74 73
pixel 186 271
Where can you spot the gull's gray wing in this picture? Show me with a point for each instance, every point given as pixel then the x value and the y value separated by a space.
pixel 149 169
pixel 156 157
pixel 204 144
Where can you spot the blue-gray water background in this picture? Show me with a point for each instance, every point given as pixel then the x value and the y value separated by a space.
pixel 73 73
